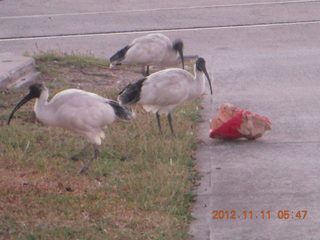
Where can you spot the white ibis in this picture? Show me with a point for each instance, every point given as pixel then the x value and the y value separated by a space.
pixel 163 91
pixel 79 111
pixel 152 49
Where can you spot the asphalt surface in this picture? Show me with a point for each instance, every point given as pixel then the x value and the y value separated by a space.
pixel 263 56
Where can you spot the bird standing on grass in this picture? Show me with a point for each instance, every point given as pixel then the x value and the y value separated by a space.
pixel 163 91
pixel 152 49
pixel 79 111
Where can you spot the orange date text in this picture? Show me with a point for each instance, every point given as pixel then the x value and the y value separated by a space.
pixel 280 214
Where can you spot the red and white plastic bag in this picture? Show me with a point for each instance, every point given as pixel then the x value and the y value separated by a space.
pixel 232 123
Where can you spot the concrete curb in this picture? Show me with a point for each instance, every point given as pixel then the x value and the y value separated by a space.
pixel 16 70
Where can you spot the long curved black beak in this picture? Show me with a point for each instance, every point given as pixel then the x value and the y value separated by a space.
pixel 181 56
pixel 207 76
pixel 25 99
pixel 178 46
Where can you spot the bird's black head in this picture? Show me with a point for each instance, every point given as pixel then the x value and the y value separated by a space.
pixel 201 66
pixel 178 46
pixel 34 92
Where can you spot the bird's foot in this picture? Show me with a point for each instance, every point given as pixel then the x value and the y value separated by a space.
pixel 84 170
pixel 74 158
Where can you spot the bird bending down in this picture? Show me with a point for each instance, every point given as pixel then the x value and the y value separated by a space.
pixel 79 111
pixel 163 91
pixel 152 49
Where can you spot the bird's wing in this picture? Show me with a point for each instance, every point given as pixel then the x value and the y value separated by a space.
pixel 71 95
pixel 167 87
pixel 79 110
pixel 147 50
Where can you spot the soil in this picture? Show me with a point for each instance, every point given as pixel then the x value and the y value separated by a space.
pixel 87 78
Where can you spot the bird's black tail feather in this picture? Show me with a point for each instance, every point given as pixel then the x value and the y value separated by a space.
pixel 119 56
pixel 121 111
pixel 131 93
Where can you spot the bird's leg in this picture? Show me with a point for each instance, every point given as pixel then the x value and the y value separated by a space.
pixel 170 124
pixel 144 71
pixel 159 124
pixel 147 71
pixel 75 157
pixel 95 155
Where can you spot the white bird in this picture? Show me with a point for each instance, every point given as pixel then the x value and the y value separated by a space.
pixel 163 91
pixel 81 112
pixel 152 49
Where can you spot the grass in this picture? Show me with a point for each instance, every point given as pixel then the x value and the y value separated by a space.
pixel 139 188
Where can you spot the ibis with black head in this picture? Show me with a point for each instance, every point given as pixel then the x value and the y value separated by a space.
pixel 163 91
pixel 150 50
pixel 81 112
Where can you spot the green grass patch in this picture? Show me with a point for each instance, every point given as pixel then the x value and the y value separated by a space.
pixel 139 188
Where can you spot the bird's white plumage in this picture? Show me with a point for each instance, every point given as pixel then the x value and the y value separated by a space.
pixel 78 111
pixel 151 49
pixel 166 89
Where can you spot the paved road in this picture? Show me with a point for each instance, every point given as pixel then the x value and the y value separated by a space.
pixel 263 56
